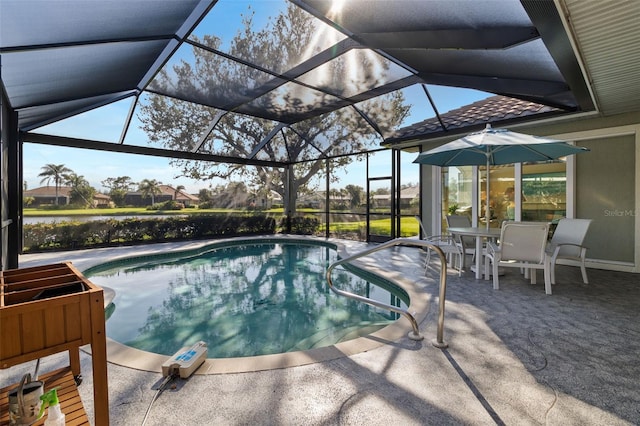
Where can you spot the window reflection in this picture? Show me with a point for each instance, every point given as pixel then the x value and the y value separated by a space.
pixel 457 188
pixel 501 198
pixel 544 188
pixel 543 193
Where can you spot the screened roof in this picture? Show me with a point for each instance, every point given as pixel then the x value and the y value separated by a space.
pixel 271 81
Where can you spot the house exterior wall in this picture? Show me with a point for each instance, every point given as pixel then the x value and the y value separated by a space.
pixel 608 191
pixel 138 200
pixel 40 200
pixel 613 171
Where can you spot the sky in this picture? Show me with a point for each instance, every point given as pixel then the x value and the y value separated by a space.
pixel 106 124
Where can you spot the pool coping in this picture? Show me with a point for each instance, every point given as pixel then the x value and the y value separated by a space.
pixel 130 357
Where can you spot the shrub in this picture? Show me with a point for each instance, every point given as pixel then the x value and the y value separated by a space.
pixel 167 205
pixel 302 225
pixel 206 205
pixel 102 233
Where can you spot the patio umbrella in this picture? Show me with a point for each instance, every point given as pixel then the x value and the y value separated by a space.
pixel 496 146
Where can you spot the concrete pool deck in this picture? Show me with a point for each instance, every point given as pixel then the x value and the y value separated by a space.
pixel 515 356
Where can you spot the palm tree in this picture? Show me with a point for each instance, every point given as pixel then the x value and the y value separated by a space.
pixel 150 187
pixel 81 191
pixel 57 172
pixel 177 190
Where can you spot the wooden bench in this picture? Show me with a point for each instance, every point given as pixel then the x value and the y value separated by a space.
pixel 70 402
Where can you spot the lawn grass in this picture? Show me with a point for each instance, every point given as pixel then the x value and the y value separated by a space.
pixel 408 225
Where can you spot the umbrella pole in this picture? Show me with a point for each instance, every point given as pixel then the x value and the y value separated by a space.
pixel 487 214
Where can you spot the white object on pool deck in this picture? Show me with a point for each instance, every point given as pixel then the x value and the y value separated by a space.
pixel 186 360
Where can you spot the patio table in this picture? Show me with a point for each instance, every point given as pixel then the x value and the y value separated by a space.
pixel 479 233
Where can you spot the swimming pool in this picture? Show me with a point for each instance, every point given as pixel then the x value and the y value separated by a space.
pixel 243 298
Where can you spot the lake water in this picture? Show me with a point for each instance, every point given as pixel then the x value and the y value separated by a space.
pixel 50 219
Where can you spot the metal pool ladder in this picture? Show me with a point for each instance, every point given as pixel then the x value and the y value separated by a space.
pixel 415 334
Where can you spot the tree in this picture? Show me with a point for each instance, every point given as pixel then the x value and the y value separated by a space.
pixel 357 195
pixel 205 195
pixel 235 195
pixel 81 191
pixel 57 172
pixel 382 191
pixel 118 188
pixel 282 42
pixel 150 188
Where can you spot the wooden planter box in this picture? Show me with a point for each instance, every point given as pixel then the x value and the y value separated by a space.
pixel 54 308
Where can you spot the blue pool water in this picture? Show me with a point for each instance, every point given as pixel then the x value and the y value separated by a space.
pixel 243 300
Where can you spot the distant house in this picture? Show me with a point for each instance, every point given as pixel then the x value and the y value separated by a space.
pixel 179 196
pixel 167 193
pixel 102 200
pixel 312 201
pixel 46 195
pixel 266 201
pixel 137 199
pixel 380 200
pixel 407 195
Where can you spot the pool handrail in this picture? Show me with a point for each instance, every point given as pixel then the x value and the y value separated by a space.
pixel 411 242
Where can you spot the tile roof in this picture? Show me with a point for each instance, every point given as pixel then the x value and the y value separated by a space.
pixel 100 196
pixel 63 191
pixel 410 192
pixel 462 120
pixel 181 195
pixel 48 191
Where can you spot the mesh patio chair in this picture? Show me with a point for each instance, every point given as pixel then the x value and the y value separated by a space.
pixel 522 245
pixel 466 243
pixel 447 244
pixel 566 246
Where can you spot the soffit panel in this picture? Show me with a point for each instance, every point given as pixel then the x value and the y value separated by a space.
pixel 609 40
